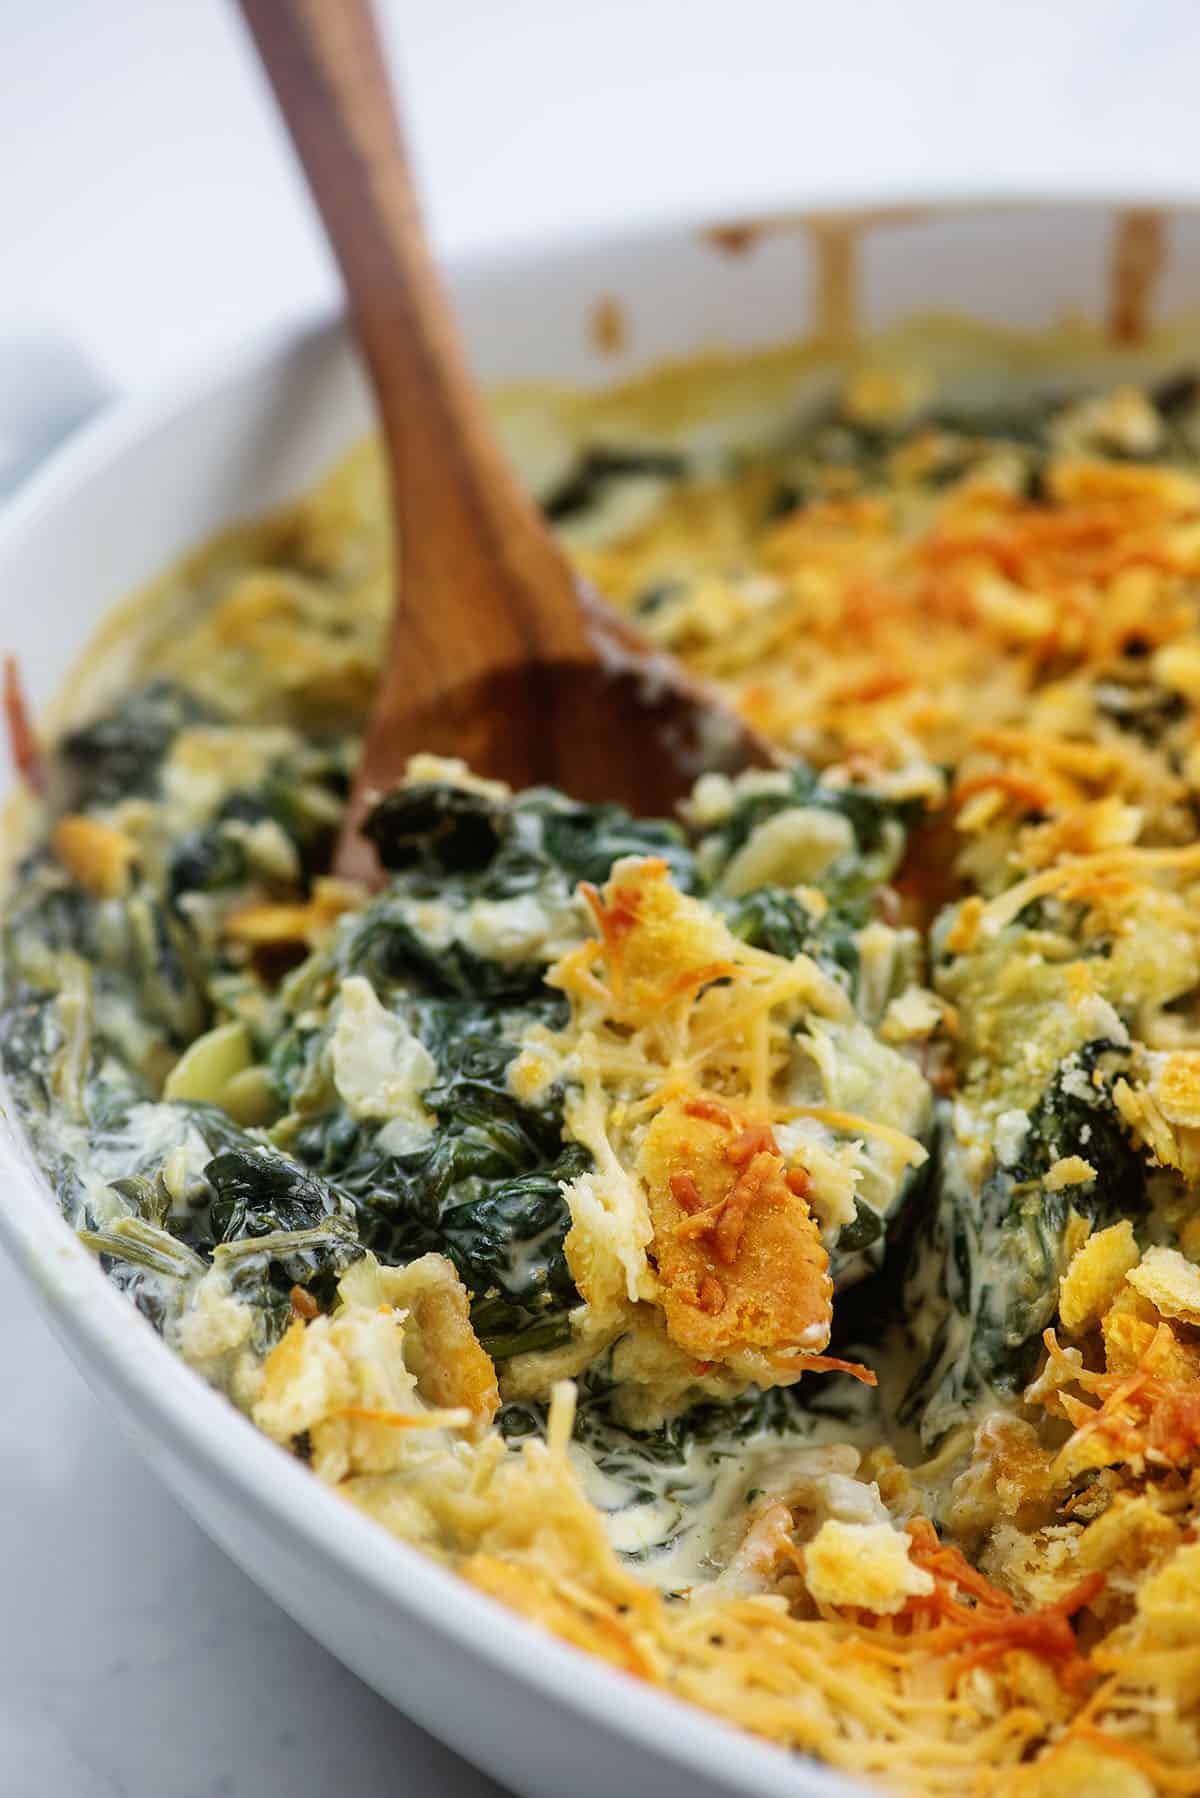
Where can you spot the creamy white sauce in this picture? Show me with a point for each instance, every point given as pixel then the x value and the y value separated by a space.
pixel 682 1521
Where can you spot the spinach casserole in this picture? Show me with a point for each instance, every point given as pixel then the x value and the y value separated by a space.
pixel 760 1246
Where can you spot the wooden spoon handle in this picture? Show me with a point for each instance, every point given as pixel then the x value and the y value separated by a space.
pixel 496 655
pixel 470 534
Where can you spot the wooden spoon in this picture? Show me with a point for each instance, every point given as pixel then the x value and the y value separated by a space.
pixel 498 652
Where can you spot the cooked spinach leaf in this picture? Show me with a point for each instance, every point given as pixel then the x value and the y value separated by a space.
pixel 119 755
pixel 438 827
pixel 997 1253
pixel 776 920
pixel 303 792
pixel 613 1445
pixel 483 1187
pixel 255 1194
pixel 880 827
pixel 1140 708
pixel 467 844
pixel 598 467
pixel 458 846
pixel 388 945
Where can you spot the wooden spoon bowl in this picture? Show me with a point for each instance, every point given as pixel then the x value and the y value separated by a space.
pixel 497 653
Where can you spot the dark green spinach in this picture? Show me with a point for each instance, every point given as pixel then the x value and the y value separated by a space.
pixel 998 1252
pixel 598 467
pixel 120 754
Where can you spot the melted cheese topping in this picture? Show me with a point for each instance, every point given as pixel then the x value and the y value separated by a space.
pixel 694 1238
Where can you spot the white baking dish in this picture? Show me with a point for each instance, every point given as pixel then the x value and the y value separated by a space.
pixel 155 478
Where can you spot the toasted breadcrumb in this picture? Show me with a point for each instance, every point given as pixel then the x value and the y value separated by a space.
pixel 864 1565
pixel 1095 1276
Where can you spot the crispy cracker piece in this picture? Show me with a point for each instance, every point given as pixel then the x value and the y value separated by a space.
pixel 659 945
pixel 1130 1325
pixel 1170 1282
pixel 1095 1276
pixel 98 856
pixel 740 1259
pixel 1177 1088
pixel 440 1344
pixel 864 1564
pixel 268 924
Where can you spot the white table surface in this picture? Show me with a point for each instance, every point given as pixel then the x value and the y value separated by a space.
pixel 148 215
